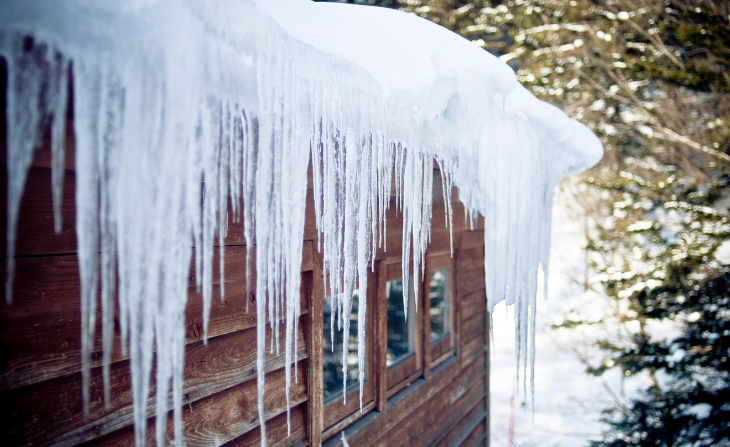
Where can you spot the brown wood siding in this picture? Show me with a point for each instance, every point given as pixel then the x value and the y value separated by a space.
pixel 448 408
pixel 40 366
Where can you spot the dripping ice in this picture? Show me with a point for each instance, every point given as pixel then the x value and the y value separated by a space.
pixel 266 91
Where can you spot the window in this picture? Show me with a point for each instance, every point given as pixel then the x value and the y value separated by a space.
pixel 335 413
pixel 439 305
pixel 332 356
pixel 439 285
pixel 401 352
pixel 402 343
pixel 401 332
pixel 403 349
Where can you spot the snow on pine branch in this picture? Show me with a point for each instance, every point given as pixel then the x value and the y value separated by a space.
pixel 231 100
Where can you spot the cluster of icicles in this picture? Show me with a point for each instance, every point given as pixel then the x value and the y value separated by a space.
pixel 218 101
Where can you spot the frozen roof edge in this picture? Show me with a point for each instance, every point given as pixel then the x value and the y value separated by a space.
pixel 405 52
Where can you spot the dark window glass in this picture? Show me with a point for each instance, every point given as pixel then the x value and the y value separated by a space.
pixel 401 333
pixel 332 362
pixel 439 293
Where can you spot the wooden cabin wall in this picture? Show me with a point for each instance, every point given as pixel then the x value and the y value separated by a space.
pixel 40 338
pixel 446 406
pixel 40 343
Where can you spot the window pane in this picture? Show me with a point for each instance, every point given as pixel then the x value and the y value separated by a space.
pixel 332 361
pixel 401 333
pixel 439 293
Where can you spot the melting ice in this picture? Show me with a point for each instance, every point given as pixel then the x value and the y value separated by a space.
pixel 231 101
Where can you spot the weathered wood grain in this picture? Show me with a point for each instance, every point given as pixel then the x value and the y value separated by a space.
pixel 472 304
pixel 35 233
pixel 476 437
pixel 472 240
pixel 441 242
pixel 401 370
pixel 277 432
pixel 381 337
pixel 472 327
pixel 469 281
pixel 471 351
pixel 226 415
pixel 465 427
pixel 39 342
pixel 423 422
pixel 338 427
pixel 455 413
pixel 470 258
pixel 224 362
pixel 316 362
pixel 447 378
pixel 235 235
pixel 40 333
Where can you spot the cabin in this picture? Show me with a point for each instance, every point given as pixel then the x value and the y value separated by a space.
pixel 427 380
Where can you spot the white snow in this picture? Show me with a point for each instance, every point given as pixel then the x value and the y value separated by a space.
pixel 229 100
pixel 723 253
pixel 700 411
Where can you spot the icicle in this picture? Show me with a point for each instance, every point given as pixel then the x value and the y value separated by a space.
pixel 363 245
pixel 88 104
pixel 110 119
pixel 24 115
pixel 159 156
pixel 59 95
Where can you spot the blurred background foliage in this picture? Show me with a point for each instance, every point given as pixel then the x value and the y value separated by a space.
pixel 651 78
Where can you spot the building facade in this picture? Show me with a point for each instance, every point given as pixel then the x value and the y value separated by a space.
pixel 427 376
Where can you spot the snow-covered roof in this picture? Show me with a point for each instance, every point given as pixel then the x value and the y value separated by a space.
pixel 241 94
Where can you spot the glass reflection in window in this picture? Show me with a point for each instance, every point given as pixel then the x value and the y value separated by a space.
pixel 332 360
pixel 439 293
pixel 401 333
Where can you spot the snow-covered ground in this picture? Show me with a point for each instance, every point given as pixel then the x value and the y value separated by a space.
pixel 568 402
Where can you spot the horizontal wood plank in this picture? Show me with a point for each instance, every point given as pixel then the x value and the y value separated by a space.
pixel 472 240
pixel 458 411
pixel 277 432
pixel 472 351
pixel 35 232
pixel 463 430
pixel 423 424
pixel 472 327
pixel 40 344
pixel 36 235
pixel 470 258
pixel 40 333
pixel 476 437
pixel 224 362
pixel 472 304
pixel 469 281
pixel 401 370
pixel 227 415
pixel 447 378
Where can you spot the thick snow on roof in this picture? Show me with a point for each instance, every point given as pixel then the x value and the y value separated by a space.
pixel 401 51
pixel 242 94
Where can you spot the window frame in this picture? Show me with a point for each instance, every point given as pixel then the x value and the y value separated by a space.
pixel 329 419
pixel 436 351
pixel 335 415
pixel 399 375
